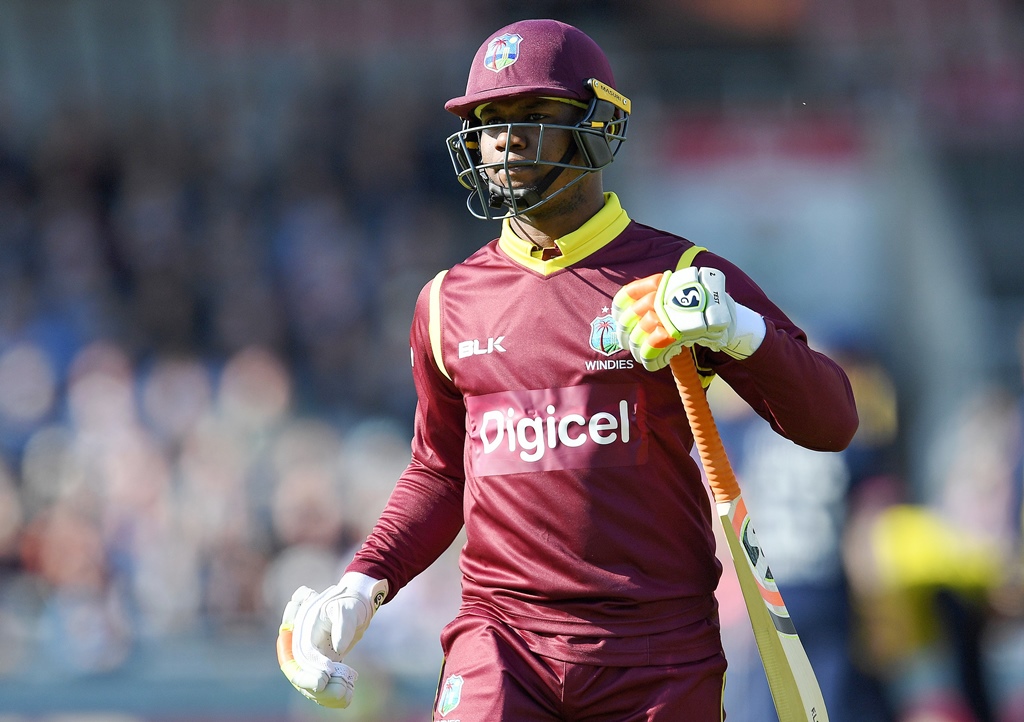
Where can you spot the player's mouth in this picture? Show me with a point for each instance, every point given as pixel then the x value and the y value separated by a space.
pixel 514 176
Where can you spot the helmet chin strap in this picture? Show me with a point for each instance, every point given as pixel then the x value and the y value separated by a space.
pixel 526 197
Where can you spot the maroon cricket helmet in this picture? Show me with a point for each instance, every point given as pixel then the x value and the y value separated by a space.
pixel 533 57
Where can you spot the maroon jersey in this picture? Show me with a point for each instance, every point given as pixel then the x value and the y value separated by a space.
pixel 588 527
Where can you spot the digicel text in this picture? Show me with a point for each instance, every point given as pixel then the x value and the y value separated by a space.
pixel 532 435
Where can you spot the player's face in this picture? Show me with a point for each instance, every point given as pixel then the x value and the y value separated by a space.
pixel 508 143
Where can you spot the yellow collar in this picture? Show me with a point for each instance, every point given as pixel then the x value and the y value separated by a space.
pixel 593 235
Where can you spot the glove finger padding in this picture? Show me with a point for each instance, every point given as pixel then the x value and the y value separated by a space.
pixel 649 341
pixel 313 674
pixel 630 303
pixel 639 324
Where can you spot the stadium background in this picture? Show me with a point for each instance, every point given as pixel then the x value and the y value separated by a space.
pixel 215 217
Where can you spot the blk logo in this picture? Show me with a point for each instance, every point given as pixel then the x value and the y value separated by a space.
pixel 476 347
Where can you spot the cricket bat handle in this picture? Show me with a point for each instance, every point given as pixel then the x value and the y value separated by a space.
pixel 716 464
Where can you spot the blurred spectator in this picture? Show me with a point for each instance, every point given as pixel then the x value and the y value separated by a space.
pixel 183 375
pixel 1003 637
pixel 938 582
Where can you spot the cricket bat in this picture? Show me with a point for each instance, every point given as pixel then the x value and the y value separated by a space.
pixel 791 679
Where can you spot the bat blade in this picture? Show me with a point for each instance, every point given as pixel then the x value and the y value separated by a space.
pixel 791 679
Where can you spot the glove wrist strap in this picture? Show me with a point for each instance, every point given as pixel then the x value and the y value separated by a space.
pixel 373 591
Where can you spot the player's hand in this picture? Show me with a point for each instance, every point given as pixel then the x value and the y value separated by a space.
pixel 655 317
pixel 313 674
pixel 319 629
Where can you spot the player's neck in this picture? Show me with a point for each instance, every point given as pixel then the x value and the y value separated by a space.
pixel 545 226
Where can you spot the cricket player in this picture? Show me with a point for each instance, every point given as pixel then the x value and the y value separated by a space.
pixel 550 428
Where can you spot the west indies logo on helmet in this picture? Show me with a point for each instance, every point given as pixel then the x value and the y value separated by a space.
pixel 502 51
pixel 544 58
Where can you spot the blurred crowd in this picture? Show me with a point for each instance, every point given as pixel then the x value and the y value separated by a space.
pixel 204 386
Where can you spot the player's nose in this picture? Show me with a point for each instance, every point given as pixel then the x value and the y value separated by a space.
pixel 510 137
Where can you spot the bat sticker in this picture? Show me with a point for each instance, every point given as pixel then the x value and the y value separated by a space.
pixel 762 572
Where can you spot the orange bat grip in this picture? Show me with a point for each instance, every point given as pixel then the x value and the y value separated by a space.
pixel 709 444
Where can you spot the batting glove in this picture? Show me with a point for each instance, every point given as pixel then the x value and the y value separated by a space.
pixel 319 629
pixel 655 317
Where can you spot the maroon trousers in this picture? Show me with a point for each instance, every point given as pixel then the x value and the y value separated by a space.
pixel 490 675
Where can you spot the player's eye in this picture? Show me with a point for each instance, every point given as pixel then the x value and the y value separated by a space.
pixel 493 129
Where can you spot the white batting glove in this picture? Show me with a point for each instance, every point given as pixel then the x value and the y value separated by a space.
pixel 319 629
pixel 655 317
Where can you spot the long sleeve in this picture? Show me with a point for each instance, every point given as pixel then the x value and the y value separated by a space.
pixel 424 513
pixel 802 393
